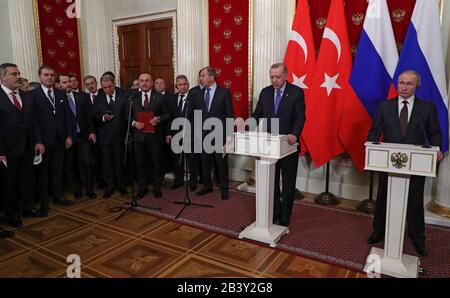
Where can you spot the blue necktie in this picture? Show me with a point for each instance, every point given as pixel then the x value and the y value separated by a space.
pixel 278 99
pixel 74 110
pixel 207 98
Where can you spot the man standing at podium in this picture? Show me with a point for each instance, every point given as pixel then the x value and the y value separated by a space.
pixel 286 103
pixel 405 120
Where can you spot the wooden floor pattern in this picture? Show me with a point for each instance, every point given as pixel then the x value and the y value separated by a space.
pixel 139 245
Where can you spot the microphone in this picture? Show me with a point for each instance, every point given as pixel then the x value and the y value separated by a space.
pixel 426 145
pixel 377 136
pixel 132 93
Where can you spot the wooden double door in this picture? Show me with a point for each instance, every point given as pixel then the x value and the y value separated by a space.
pixel 146 47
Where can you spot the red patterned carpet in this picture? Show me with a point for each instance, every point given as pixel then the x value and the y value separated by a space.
pixel 327 234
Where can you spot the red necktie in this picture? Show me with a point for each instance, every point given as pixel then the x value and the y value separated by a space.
pixel 93 98
pixel 15 101
pixel 146 101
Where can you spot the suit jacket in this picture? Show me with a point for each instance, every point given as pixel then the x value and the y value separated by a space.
pixel 158 106
pixel 188 111
pixel 83 115
pixel 291 111
pixel 54 123
pixel 114 131
pixel 17 128
pixel 423 125
pixel 221 107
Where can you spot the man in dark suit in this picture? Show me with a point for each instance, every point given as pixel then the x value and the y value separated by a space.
pixel 197 156
pixel 96 158
pixel 53 113
pixel 180 107
pixel 167 164
pixel 18 145
pixel 214 102
pixel 405 120
pixel 111 115
pixel 285 102
pixel 78 157
pixel 148 146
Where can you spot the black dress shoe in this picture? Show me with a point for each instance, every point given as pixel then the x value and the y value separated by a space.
pixel 158 194
pixel 91 195
pixel 177 185
pixel 284 223
pixel 43 212
pixel 31 213
pixel 420 248
pixel 77 195
pixel 141 194
pixel 375 237
pixel 14 222
pixel 123 192
pixel 204 191
pixel 193 187
pixel 62 201
pixel 107 194
pixel 225 196
pixel 6 234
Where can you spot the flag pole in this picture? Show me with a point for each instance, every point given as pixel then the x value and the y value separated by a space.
pixel 368 205
pixel 327 198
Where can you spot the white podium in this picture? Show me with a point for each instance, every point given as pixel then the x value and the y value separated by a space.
pixel 400 161
pixel 269 149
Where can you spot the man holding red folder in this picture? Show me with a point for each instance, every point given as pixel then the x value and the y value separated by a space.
pixel 149 114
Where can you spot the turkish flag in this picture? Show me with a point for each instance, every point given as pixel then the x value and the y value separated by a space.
pixel 300 55
pixel 331 79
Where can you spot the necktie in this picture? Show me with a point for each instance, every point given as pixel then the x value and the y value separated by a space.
pixel 74 109
pixel 111 101
pixel 50 96
pixel 145 101
pixel 404 118
pixel 93 98
pixel 15 101
pixel 180 104
pixel 278 99
pixel 207 98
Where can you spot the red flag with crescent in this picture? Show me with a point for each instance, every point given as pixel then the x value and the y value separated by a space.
pixel 301 54
pixel 328 90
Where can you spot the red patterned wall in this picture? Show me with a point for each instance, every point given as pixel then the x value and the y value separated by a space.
pixel 228 49
pixel 400 11
pixel 60 47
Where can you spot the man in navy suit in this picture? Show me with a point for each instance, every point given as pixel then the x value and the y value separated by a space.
pixel 78 157
pixel 285 102
pixel 19 142
pixel 405 120
pixel 214 102
pixel 148 146
pixel 111 114
pixel 53 113
pixel 180 107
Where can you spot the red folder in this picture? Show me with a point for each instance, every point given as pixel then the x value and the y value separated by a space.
pixel 146 117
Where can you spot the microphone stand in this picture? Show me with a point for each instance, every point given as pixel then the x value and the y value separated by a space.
pixel 187 201
pixel 134 201
pixel 327 198
pixel 368 205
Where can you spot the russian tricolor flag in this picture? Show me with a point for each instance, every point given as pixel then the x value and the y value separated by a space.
pixel 371 79
pixel 423 52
